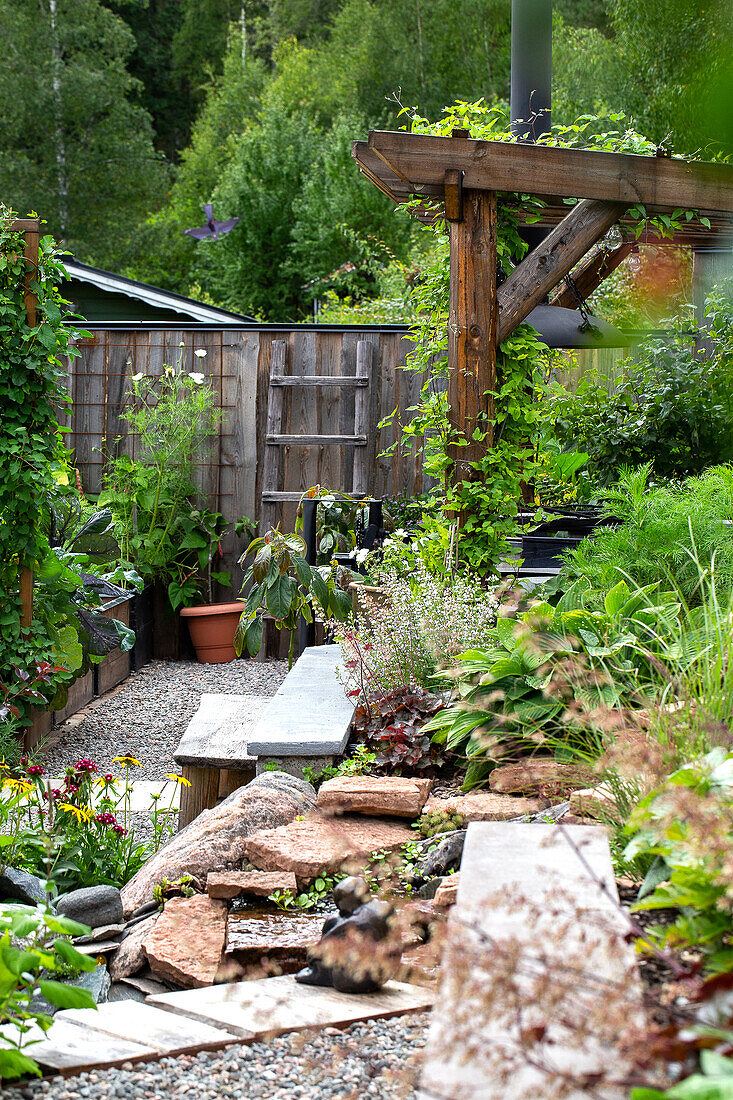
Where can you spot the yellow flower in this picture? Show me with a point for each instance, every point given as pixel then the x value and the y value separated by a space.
pixel 79 813
pixel 3 766
pixel 20 786
pixel 128 761
pixel 178 779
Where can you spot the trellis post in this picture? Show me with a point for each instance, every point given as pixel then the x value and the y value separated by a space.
pixel 31 228
pixel 472 321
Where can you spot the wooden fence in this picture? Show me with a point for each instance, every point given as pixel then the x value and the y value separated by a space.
pixel 237 367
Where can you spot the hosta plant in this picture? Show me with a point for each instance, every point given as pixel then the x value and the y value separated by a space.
pixel 549 673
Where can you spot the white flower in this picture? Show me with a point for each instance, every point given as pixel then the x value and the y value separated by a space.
pixel 138 376
pixel 197 378
pixel 327 502
pixel 200 353
pixel 361 555
pixel 400 533
pixel 169 371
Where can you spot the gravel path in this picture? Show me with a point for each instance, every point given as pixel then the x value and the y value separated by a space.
pixel 376 1058
pixel 148 714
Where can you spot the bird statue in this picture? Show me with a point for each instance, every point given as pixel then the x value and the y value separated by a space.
pixel 212 230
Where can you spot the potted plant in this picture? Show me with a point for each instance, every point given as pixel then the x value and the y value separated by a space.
pixel 211 625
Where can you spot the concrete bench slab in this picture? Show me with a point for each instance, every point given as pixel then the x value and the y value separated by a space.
pixel 538 982
pixel 310 714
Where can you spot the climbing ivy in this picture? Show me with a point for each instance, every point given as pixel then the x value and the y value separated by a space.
pixel 31 447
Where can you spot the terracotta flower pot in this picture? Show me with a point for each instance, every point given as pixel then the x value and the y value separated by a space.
pixel 212 630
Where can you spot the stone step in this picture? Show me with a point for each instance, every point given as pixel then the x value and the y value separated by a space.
pixel 536 935
pixel 273 1006
pixel 165 1032
pixel 486 805
pixel 70 1047
pixel 383 796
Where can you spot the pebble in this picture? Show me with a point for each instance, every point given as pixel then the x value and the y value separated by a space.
pixel 379 1058
pixel 148 714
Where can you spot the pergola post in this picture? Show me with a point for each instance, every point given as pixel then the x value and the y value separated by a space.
pixel 31 227
pixel 472 325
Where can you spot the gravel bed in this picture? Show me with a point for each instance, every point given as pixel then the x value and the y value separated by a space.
pixel 148 714
pixel 376 1058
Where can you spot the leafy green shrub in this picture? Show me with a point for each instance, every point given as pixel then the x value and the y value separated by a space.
pixel 284 585
pixel 666 535
pixel 687 827
pixel 25 969
pixel 673 407
pixel 162 529
pixel 546 674
pixel 360 763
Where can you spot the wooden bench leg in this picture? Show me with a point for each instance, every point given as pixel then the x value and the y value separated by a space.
pixel 231 780
pixel 201 795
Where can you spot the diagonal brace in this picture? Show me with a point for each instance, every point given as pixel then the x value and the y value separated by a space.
pixel 549 263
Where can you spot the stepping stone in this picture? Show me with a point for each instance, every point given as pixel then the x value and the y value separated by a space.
pixel 235 884
pixel 383 796
pixel 535 775
pixel 536 917
pixel 70 1047
pixel 186 942
pixel 486 806
pixel 134 1022
pixel 310 715
pixel 274 1006
pixel 319 845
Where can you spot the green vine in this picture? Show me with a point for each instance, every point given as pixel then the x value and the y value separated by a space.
pixel 31 448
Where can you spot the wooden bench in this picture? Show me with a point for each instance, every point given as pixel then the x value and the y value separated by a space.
pixel 212 753
pixel 232 738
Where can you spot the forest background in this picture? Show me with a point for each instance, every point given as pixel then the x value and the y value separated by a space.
pixel 120 118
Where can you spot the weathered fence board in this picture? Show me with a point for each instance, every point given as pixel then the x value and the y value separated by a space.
pixel 237 368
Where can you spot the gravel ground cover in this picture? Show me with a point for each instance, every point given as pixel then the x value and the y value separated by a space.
pixel 376 1058
pixel 148 714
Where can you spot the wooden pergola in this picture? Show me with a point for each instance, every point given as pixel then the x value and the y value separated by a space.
pixel 465 175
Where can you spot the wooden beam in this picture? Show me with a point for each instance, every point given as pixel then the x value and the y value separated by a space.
pixel 541 271
pixel 660 182
pixel 31 227
pixel 472 325
pixel 590 273
pixel 454 195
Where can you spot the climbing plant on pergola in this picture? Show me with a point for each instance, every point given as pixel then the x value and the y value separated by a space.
pixel 466 175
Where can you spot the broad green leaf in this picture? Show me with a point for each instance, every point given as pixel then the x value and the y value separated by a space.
pixel 253 636
pixel 341 605
pixel 66 996
pixel 70 955
pixel 616 598
pixel 280 597
pixel 319 588
pixel 262 563
pixel 14 1063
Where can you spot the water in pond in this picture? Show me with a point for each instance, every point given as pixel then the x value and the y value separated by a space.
pixel 261 929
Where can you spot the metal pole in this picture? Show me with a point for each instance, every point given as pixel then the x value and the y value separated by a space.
pixel 531 78
pixel 307 631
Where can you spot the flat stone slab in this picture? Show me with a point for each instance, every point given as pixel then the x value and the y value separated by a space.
pixel 274 1006
pixel 486 806
pixel 536 935
pixel 389 796
pixel 237 884
pixel 186 942
pixel 320 844
pixel 134 1022
pixel 277 934
pixel 68 1047
pixel 310 715
pixel 218 734
pixel 539 776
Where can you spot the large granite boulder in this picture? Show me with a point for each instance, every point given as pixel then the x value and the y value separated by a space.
pixel 21 886
pixel 216 840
